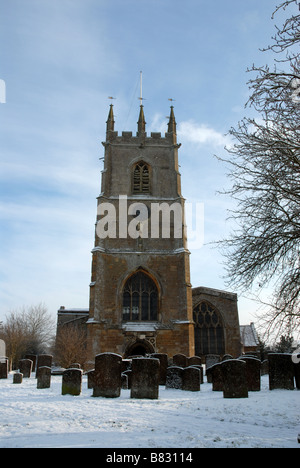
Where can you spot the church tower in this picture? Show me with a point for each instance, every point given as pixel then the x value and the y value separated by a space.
pixel 140 291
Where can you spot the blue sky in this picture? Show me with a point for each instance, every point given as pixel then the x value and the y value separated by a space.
pixel 60 60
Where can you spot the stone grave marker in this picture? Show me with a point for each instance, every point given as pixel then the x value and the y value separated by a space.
pixel 145 378
pixel 174 377
pixel 191 379
pixel 234 378
pixel 44 377
pixel 33 358
pixel 281 371
pixel 194 361
pixel 201 372
pixel 180 360
pixel 18 378
pixel 72 382
pixel 75 365
pixel 90 378
pixel 210 360
pixel 216 375
pixel 107 380
pixel 253 373
pixel 163 359
pixel 226 357
pixel 25 367
pixel 43 360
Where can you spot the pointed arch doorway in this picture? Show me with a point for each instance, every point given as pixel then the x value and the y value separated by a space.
pixel 139 348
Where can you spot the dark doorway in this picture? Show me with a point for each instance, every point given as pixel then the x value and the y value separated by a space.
pixel 139 348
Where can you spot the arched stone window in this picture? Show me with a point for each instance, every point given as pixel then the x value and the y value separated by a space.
pixel 141 178
pixel 140 298
pixel 209 330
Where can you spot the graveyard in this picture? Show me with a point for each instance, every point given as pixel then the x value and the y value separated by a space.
pixel 142 403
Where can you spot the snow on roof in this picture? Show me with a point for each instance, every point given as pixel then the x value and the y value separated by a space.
pixel 248 335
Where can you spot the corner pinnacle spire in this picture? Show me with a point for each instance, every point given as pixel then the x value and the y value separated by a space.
pixel 141 122
pixel 110 124
pixel 172 122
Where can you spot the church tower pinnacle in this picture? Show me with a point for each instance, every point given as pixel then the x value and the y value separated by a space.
pixel 172 122
pixel 141 122
pixel 110 124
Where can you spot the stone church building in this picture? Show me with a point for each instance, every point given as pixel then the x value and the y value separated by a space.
pixel 141 297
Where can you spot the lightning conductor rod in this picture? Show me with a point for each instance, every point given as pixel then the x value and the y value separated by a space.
pixel 141 87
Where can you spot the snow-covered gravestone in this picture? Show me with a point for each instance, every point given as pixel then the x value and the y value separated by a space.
pixel 145 378
pixel 107 375
pixel 234 378
pixel 281 371
pixel 191 379
pixel 43 360
pixel 174 377
pixel 72 382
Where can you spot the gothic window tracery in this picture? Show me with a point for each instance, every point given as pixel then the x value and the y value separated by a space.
pixel 140 298
pixel 209 330
pixel 141 178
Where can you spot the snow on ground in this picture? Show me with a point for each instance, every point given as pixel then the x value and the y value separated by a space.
pixel 44 418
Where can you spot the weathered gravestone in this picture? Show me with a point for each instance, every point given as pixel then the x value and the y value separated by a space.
pixel 234 379
pixel 281 371
pixel 163 359
pixel 71 382
pixel 145 378
pixel 18 378
pixel 211 360
pixel 194 361
pixel 90 378
pixel 227 357
pixel 180 360
pixel 201 371
pixel 4 369
pixel 174 377
pixel 253 371
pixel 43 360
pixel 191 379
pixel 75 365
pixel 33 358
pixel 44 377
pixel 107 380
pixel 215 376
pixel 25 367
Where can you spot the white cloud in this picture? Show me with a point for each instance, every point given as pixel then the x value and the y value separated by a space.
pixel 201 134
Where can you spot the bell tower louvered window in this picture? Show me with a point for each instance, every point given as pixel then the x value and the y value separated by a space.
pixel 141 178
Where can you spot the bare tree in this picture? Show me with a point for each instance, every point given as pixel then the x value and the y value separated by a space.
pixel 27 331
pixel 71 345
pixel 264 169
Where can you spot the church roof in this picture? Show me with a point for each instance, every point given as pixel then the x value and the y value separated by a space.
pixel 249 336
